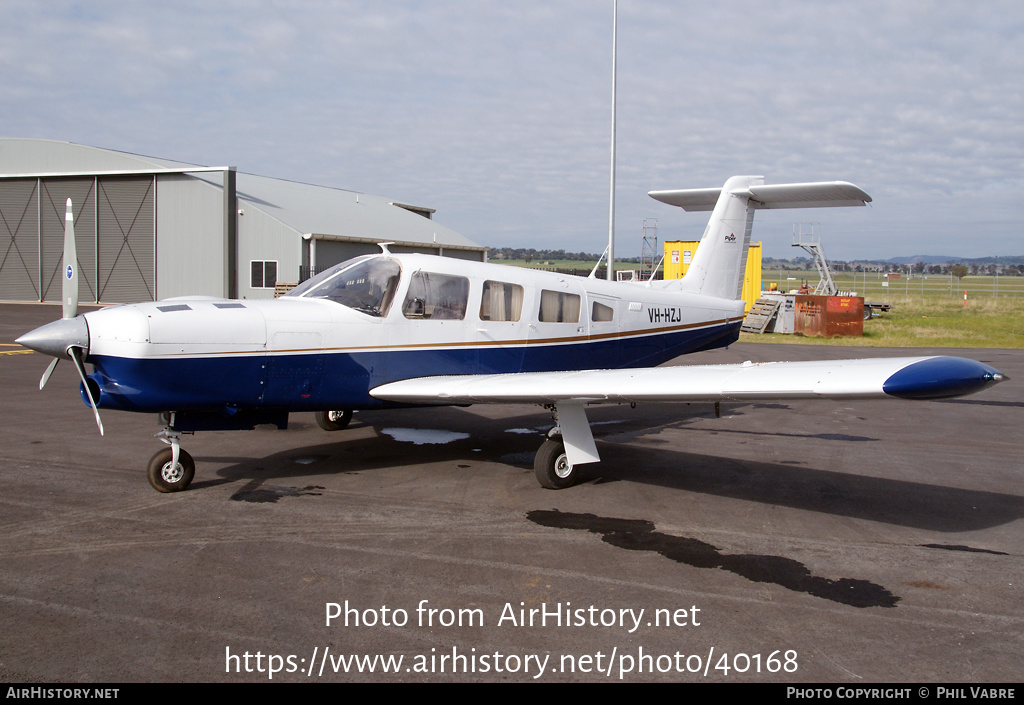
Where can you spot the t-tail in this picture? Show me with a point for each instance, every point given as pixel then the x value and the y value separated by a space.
pixel 718 265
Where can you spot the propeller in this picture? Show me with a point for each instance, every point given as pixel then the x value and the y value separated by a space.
pixel 69 290
pixel 68 337
pixel 77 354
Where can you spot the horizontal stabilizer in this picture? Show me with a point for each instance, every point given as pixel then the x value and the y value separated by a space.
pixel 820 194
pixel 905 377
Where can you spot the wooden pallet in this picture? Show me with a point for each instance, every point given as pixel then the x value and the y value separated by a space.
pixel 282 288
pixel 761 315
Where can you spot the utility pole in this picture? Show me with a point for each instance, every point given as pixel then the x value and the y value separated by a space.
pixel 611 197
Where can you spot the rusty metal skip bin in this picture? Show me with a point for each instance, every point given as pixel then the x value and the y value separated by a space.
pixel 829 316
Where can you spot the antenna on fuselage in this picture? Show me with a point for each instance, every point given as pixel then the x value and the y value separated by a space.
pixel 593 272
pixel 384 247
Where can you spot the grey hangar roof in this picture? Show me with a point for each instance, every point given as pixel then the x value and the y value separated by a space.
pixel 150 228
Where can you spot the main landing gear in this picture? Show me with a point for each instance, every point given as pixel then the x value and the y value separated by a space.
pixel 552 467
pixel 333 420
pixel 569 445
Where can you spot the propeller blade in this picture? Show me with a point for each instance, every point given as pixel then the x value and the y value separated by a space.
pixel 75 352
pixel 69 290
pixel 49 371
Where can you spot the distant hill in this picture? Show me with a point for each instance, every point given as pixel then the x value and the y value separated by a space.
pixel 927 259
pixel 943 259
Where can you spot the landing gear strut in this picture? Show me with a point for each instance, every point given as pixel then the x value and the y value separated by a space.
pixel 171 469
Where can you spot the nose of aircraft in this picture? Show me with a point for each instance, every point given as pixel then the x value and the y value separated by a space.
pixel 55 338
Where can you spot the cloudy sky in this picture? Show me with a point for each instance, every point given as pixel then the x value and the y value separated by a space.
pixel 498 114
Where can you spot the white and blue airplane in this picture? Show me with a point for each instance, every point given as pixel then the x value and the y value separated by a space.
pixel 401 330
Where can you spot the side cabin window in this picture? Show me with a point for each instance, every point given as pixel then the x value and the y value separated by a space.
pixel 600 313
pixel 501 302
pixel 559 307
pixel 437 297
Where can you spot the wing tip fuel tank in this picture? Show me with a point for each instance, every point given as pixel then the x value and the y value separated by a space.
pixel 940 378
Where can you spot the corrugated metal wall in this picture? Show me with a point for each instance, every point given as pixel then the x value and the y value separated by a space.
pixel 55 193
pixel 114 231
pixel 191 255
pixel 127 239
pixel 19 241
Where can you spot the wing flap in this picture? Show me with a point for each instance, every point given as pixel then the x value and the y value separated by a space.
pixel 907 377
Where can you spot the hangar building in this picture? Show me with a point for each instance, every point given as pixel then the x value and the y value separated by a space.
pixel 150 228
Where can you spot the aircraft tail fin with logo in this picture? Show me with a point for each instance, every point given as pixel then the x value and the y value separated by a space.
pixel 720 261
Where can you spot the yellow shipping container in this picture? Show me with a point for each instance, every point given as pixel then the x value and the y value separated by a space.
pixel 678 256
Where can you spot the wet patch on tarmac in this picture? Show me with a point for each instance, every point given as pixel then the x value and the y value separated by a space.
pixel 926 585
pixel 968 549
pixel 639 535
pixel 841 437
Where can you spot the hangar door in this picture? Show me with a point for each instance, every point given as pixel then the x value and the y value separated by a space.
pixel 114 234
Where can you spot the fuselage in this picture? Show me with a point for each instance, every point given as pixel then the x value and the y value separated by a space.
pixel 385 318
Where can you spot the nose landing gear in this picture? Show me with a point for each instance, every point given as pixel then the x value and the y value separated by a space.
pixel 169 475
pixel 171 469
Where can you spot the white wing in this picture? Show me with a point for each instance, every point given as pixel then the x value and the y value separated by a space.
pixel 570 392
pixel 907 377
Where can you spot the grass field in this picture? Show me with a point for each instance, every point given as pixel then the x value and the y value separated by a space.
pixel 930 321
pixel 927 311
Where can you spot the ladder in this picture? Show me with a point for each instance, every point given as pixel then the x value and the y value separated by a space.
pixel 806 237
pixel 760 315
pixel 649 249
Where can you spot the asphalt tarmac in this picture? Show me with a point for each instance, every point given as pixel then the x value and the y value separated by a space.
pixel 841 542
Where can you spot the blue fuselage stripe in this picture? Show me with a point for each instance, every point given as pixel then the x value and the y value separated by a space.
pixel 343 380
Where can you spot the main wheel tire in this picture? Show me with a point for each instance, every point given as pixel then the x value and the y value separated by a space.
pixel 551 465
pixel 333 420
pixel 164 478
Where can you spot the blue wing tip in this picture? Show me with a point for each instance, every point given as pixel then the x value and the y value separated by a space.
pixel 941 377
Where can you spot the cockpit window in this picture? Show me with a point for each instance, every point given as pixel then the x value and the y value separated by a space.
pixel 366 284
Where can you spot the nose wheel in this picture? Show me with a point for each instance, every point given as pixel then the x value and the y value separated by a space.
pixel 169 475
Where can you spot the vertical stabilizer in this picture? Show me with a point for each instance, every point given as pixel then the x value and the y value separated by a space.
pixel 720 261
pixel 719 264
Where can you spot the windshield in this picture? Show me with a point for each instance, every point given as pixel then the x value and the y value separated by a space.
pixel 366 284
